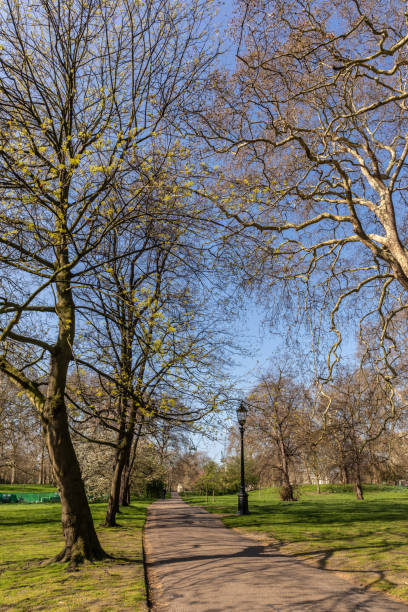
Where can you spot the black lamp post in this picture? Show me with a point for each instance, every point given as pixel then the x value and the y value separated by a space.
pixel 242 495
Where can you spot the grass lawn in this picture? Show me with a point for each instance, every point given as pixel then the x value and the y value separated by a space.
pixel 366 541
pixel 27 488
pixel 31 533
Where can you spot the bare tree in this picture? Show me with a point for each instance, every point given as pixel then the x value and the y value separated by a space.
pixel 311 131
pixel 276 420
pixel 360 414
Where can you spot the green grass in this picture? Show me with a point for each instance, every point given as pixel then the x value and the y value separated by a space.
pixel 27 488
pixel 367 542
pixel 31 534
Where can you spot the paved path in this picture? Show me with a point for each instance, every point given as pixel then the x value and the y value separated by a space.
pixel 195 564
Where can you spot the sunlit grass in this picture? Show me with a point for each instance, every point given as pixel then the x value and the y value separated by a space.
pixel 27 488
pixel 365 541
pixel 31 534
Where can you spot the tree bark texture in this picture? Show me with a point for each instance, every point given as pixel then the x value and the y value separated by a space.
pixel 114 495
pixel 81 541
pixel 124 495
pixel 358 483
pixel 285 472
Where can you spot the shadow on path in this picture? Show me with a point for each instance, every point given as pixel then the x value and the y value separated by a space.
pixel 196 564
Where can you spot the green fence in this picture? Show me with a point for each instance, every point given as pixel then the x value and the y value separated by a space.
pixel 29 498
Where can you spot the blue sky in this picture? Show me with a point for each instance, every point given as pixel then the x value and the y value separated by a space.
pixel 262 342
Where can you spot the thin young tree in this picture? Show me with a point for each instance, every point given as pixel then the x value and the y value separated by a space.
pixel 147 325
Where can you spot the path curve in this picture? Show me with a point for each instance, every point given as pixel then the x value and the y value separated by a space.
pixel 196 564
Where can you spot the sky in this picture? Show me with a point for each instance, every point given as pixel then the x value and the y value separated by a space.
pixel 263 343
pixel 267 345
pixel 245 372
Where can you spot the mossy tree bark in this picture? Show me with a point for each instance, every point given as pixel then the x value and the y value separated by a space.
pixel 81 541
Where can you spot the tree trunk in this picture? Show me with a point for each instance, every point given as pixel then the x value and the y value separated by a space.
pixel 288 493
pixel 113 502
pixel 81 541
pixel 41 471
pixel 124 495
pixel 127 470
pixel 288 486
pixel 316 470
pixel 358 484
pixel 122 457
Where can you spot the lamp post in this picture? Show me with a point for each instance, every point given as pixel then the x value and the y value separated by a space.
pixel 242 411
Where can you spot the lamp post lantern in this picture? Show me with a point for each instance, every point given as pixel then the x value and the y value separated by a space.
pixel 242 411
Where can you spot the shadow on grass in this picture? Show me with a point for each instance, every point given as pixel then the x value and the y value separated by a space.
pixel 302 513
pixel 380 580
pixel 33 521
pixel 324 554
pixel 127 560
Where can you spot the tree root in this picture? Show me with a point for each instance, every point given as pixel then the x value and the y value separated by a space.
pixel 77 554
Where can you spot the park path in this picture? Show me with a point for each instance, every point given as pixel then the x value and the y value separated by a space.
pixel 195 564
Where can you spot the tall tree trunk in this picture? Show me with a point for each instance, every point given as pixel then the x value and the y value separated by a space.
pixel 288 494
pixel 124 499
pixel 13 468
pixel 317 473
pixel 81 541
pixel 113 502
pixel 127 417
pixel 124 494
pixel 358 483
pixel 125 434
pixel 41 471
pixel 124 443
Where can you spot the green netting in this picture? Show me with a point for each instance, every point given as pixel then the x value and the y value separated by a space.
pixel 29 498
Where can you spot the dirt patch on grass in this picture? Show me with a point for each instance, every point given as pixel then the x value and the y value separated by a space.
pixel 259 536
